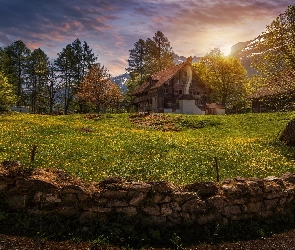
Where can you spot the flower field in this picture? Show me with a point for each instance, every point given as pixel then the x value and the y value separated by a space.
pixel 111 145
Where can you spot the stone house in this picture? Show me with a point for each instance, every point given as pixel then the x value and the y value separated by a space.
pixel 178 89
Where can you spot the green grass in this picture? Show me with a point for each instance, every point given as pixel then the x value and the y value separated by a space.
pixel 245 145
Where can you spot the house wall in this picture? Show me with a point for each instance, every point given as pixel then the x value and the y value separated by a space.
pixel 220 111
pixel 189 107
pixel 166 97
pixel 21 109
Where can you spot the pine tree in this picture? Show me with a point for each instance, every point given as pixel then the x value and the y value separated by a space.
pixel 148 57
pixel 38 74
pixel 136 60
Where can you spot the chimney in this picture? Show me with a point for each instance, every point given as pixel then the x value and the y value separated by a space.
pixel 189 60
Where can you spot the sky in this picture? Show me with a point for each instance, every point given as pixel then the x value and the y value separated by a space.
pixel 111 27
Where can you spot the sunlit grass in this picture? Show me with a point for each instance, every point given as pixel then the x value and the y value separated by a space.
pixel 245 145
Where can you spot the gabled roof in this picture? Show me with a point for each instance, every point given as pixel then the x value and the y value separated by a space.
pixel 159 78
pixel 165 75
pixel 281 84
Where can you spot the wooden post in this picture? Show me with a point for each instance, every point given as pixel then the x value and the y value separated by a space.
pixel 216 168
pixel 33 152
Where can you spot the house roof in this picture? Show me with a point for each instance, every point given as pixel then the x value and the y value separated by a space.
pixel 159 78
pixel 215 105
pixel 283 83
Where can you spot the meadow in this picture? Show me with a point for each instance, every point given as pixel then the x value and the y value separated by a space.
pixel 111 145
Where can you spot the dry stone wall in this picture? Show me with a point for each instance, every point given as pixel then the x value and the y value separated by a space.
pixel 49 192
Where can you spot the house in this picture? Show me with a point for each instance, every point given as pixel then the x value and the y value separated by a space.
pixel 277 95
pixel 178 89
pixel 20 109
pixel 215 109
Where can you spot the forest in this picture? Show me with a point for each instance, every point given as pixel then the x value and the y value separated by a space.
pixel 75 82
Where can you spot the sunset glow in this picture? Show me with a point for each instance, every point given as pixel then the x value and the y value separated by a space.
pixel 112 27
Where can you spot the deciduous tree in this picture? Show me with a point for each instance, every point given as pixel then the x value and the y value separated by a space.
pixel 226 76
pixel 7 95
pixel 274 49
pixel 98 89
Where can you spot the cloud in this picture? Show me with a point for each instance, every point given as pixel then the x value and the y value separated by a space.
pixel 111 27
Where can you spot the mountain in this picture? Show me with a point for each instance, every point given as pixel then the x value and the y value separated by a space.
pixel 238 50
pixel 121 80
pixel 180 59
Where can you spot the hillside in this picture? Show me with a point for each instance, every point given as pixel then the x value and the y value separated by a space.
pixel 176 148
pixel 244 56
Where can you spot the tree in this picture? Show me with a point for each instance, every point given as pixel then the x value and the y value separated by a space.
pixel 38 74
pixel 136 60
pixel 65 66
pixel 73 63
pixel 97 88
pixel 148 57
pixel 226 77
pixel 159 53
pixel 53 87
pixel 274 49
pixel 7 96
pixel 13 65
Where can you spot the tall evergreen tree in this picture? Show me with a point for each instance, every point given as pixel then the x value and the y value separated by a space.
pixel 73 63
pixel 13 65
pixel 148 57
pixel 38 74
pixel 136 60
pixel 159 53
pixel 53 87
pixel 65 65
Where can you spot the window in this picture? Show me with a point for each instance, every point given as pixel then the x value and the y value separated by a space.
pixel 180 91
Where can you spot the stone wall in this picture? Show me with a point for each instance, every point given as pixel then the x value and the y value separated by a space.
pixel 48 192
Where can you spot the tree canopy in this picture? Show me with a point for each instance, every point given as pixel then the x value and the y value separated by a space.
pixel 274 50
pixel 42 84
pixel 98 89
pixel 226 77
pixel 148 57
pixel 7 95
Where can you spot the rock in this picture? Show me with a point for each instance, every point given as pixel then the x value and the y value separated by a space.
pixel 109 180
pixel 161 186
pixel 203 189
pixel 288 135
